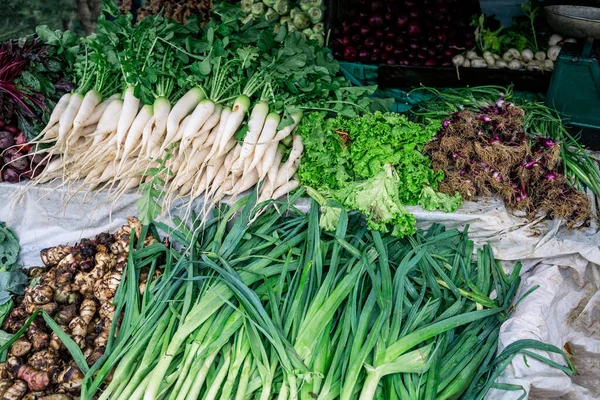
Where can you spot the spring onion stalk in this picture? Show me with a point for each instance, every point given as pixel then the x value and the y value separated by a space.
pixel 269 307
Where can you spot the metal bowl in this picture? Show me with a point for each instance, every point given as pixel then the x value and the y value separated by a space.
pixel 575 21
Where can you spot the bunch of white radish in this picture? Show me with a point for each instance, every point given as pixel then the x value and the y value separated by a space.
pixel 113 143
pixel 514 59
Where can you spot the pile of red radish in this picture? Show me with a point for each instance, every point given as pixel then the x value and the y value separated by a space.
pixel 404 32
pixel 15 164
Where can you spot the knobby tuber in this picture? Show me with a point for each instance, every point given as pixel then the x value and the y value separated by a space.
pixel 76 287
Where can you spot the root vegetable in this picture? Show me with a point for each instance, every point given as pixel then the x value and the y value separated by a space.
pixel 66 314
pixel 553 53
pixel 489 58
pixel 16 391
pixel 458 60
pixel 57 396
pixel 555 39
pixel 36 380
pixel 53 255
pixel 471 55
pixel 20 347
pixel 501 64
pixel 527 55
pixel 478 63
pixel 70 379
pixel 466 64
pixel 514 65
pixel 540 56
pixel 45 360
pixel 548 65
pixel 4 385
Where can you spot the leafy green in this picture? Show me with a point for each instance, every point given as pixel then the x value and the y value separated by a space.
pixel 378 139
pixel 327 163
pixel 9 248
pixel 372 164
pixel 12 279
pixel 378 199
pixel 432 200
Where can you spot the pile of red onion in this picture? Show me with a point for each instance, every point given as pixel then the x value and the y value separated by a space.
pixel 404 32
pixel 16 164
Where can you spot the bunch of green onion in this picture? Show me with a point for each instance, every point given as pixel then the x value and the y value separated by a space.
pixel 269 306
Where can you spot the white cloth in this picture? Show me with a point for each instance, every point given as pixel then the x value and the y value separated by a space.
pixel 565 264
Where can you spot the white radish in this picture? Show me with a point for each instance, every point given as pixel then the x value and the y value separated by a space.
pixel 217 131
pixel 182 109
pixel 554 40
pixel 256 122
pixel 89 103
pixel 65 123
pixel 272 172
pixel 245 183
pixel 286 131
pixel 489 58
pixel 548 65
pixel 58 111
pixel 201 114
pixel 534 66
pixel 270 159
pixel 99 110
pixel 527 55
pixel 109 121
pixel 206 137
pixel 540 56
pixel 458 60
pixel 471 55
pixel 553 53
pixel 478 63
pixel 232 157
pixel 135 133
pixel 88 130
pixel 128 114
pixel 501 64
pixel 266 138
pixel 218 180
pixel 238 112
pixel 514 65
pixel 466 63
pixel 285 189
pixel 287 170
pixel 162 109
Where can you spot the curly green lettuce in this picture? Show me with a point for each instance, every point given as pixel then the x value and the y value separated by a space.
pixel 326 160
pixel 377 198
pixel 432 200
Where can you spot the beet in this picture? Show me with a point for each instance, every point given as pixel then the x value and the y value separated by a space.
pixel 388 47
pixel 375 58
pixel 430 63
pixel 12 129
pixel 379 34
pixel 376 20
pixel 10 175
pixel 6 140
pixel 364 30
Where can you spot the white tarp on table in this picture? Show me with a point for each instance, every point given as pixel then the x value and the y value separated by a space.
pixel 565 264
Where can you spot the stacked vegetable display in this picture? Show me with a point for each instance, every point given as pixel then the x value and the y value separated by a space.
pixel 305 16
pixel 73 296
pixel 373 164
pixel 405 32
pixel 197 117
pixel 489 153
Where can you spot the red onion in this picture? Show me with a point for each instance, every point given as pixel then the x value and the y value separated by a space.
pixel 364 30
pixel 388 47
pixel 376 20
pixel 401 20
pixel 350 54
pixel 550 176
pixel 430 63
pixel 446 123
pixel 370 42
pixel 364 56
pixel 414 29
